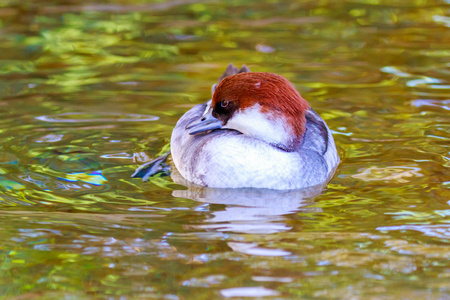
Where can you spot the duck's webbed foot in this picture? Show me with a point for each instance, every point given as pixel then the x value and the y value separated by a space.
pixel 152 168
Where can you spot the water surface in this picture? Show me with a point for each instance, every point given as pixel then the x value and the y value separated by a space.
pixel 90 90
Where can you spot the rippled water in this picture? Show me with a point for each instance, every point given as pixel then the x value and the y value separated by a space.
pixel 90 90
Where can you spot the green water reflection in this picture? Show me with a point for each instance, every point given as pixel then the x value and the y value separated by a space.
pixel 88 90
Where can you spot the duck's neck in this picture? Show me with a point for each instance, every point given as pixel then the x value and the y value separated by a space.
pixel 268 127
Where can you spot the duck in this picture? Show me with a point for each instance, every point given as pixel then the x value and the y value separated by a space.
pixel 256 131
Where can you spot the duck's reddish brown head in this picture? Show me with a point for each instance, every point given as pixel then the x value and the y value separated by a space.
pixel 275 95
pixel 261 106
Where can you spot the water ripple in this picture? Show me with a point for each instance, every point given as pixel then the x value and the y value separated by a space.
pixel 439 231
pixel 79 117
pixel 253 291
pixel 444 104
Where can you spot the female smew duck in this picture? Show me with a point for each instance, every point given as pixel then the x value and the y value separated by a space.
pixel 256 131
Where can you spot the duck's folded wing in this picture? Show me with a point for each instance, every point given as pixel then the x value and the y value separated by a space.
pixel 317 133
pixel 318 137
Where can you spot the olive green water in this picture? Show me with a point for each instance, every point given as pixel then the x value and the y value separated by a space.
pixel 90 90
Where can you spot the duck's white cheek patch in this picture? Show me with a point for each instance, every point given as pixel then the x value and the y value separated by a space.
pixel 263 126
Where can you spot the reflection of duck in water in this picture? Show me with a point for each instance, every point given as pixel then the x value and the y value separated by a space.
pixel 248 210
pixel 256 131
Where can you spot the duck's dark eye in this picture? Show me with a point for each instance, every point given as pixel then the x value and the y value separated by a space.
pixel 223 110
pixel 224 103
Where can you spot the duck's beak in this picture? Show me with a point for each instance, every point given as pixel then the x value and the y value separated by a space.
pixel 205 123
